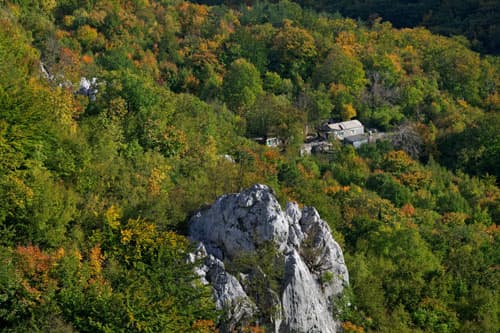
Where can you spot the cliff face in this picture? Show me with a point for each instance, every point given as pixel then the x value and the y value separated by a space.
pixel 280 268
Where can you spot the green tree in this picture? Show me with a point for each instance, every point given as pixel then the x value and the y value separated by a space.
pixel 341 68
pixel 476 150
pixel 242 85
pixel 294 51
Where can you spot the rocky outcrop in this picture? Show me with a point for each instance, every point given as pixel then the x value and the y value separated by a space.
pixel 88 87
pixel 295 293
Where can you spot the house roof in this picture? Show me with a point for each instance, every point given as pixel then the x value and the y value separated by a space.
pixel 345 125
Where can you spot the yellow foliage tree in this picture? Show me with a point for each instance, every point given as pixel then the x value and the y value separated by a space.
pixel 347 111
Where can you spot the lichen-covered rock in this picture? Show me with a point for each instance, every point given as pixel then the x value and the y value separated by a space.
pixel 313 267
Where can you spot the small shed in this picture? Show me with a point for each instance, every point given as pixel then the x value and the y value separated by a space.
pixel 341 130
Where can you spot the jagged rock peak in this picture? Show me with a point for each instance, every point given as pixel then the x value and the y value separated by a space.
pixel 290 254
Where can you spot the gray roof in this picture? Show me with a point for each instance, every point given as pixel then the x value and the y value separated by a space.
pixel 345 125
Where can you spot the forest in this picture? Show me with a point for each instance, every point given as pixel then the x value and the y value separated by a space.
pixel 478 20
pixel 117 119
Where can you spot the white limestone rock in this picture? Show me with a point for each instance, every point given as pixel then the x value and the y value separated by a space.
pixel 228 293
pixel 305 307
pixel 239 222
pixel 314 267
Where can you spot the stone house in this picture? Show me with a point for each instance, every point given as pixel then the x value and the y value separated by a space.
pixel 340 130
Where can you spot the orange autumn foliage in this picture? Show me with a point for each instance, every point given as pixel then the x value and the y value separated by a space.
pixel 408 210
pixel 87 59
pixel 336 189
pixel 349 327
pixel 204 326
pixel 35 267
